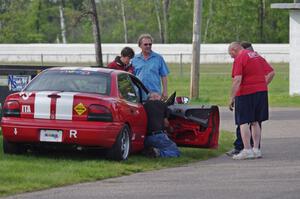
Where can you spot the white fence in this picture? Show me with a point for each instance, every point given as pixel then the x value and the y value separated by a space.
pixel 85 53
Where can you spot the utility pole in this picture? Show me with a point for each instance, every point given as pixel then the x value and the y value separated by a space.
pixel 195 67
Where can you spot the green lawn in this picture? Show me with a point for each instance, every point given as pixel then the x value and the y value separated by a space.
pixel 31 171
pixel 215 84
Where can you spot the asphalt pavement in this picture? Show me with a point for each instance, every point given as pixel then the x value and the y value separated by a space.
pixel 275 176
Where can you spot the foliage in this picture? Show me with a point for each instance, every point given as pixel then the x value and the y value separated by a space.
pixel 38 21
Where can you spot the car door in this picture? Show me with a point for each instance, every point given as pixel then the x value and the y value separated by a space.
pixel 194 126
pixel 132 109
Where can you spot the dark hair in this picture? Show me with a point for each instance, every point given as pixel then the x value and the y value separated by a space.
pixel 247 45
pixel 127 52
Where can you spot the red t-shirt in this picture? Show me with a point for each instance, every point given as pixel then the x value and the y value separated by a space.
pixel 253 68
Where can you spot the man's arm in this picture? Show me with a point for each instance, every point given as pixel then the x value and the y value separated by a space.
pixel 164 81
pixel 269 77
pixel 236 82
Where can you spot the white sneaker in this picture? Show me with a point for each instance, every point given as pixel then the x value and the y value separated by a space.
pixel 257 153
pixel 244 154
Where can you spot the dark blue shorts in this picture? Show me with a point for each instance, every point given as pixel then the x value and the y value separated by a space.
pixel 251 108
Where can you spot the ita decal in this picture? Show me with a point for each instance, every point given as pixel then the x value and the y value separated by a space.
pixel 79 109
pixel 26 109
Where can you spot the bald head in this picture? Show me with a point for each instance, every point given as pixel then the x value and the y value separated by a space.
pixel 234 49
pixel 154 96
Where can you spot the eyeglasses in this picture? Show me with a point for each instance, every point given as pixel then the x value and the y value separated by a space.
pixel 147 44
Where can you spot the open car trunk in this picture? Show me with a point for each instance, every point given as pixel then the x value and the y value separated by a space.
pixel 194 126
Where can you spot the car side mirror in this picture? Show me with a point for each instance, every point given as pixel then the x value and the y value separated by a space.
pixel 182 100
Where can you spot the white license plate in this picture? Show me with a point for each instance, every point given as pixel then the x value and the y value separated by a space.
pixel 51 136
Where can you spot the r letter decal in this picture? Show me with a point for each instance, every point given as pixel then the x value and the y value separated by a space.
pixel 73 133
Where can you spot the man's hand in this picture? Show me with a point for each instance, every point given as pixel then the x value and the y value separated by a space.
pixel 231 104
pixel 164 96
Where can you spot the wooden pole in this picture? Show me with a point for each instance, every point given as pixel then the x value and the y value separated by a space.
pixel 195 66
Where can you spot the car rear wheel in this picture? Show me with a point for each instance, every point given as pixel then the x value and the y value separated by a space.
pixel 12 148
pixel 121 148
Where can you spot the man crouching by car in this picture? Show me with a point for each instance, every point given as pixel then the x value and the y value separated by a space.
pixel 157 142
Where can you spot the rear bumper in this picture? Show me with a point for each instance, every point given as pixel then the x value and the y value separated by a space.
pixel 83 133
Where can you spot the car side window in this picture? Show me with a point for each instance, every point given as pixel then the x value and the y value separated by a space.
pixel 141 90
pixel 126 88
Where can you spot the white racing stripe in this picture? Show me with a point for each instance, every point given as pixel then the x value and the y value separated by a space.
pixel 64 106
pixel 42 105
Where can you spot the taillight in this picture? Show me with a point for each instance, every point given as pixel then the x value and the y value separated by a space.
pixel 11 109
pixel 99 113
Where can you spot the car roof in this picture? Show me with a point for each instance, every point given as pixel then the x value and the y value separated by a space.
pixel 92 69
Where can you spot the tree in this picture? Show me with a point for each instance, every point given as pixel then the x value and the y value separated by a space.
pixel 209 18
pixel 62 21
pixel 124 21
pixel 38 21
pixel 96 33
pixel 166 4
pixel 157 12
pixel 180 25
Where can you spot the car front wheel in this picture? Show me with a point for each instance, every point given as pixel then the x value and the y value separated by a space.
pixel 121 147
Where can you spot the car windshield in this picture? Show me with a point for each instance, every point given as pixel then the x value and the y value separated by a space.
pixel 71 81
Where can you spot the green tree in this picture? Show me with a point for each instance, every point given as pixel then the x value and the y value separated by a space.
pixel 38 21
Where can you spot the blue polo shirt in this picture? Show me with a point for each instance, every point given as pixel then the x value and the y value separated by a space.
pixel 151 70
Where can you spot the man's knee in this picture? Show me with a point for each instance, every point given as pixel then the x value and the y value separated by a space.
pixel 254 123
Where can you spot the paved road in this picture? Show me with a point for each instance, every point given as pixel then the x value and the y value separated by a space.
pixel 275 176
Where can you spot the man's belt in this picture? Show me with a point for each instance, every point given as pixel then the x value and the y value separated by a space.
pixel 156 132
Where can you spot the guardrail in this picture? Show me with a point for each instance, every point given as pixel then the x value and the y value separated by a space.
pixel 44 54
pixel 89 59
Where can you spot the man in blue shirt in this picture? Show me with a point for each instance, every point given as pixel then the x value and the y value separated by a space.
pixel 150 67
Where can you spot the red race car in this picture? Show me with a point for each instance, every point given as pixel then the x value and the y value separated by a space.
pixel 96 107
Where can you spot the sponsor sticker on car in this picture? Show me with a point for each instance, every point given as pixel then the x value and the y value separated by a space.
pixel 80 109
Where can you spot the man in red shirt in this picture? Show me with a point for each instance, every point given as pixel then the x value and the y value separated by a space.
pixel 238 143
pixel 123 62
pixel 249 95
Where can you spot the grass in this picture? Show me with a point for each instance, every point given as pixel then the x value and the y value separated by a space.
pixel 215 84
pixel 32 172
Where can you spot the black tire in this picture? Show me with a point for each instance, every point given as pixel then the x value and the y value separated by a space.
pixel 12 147
pixel 121 148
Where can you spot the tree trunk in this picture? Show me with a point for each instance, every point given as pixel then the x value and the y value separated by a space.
pixel 210 15
pixel 96 33
pixel 166 17
pixel 37 21
pixel 195 67
pixel 124 21
pixel 262 7
pixel 62 21
pixel 157 12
